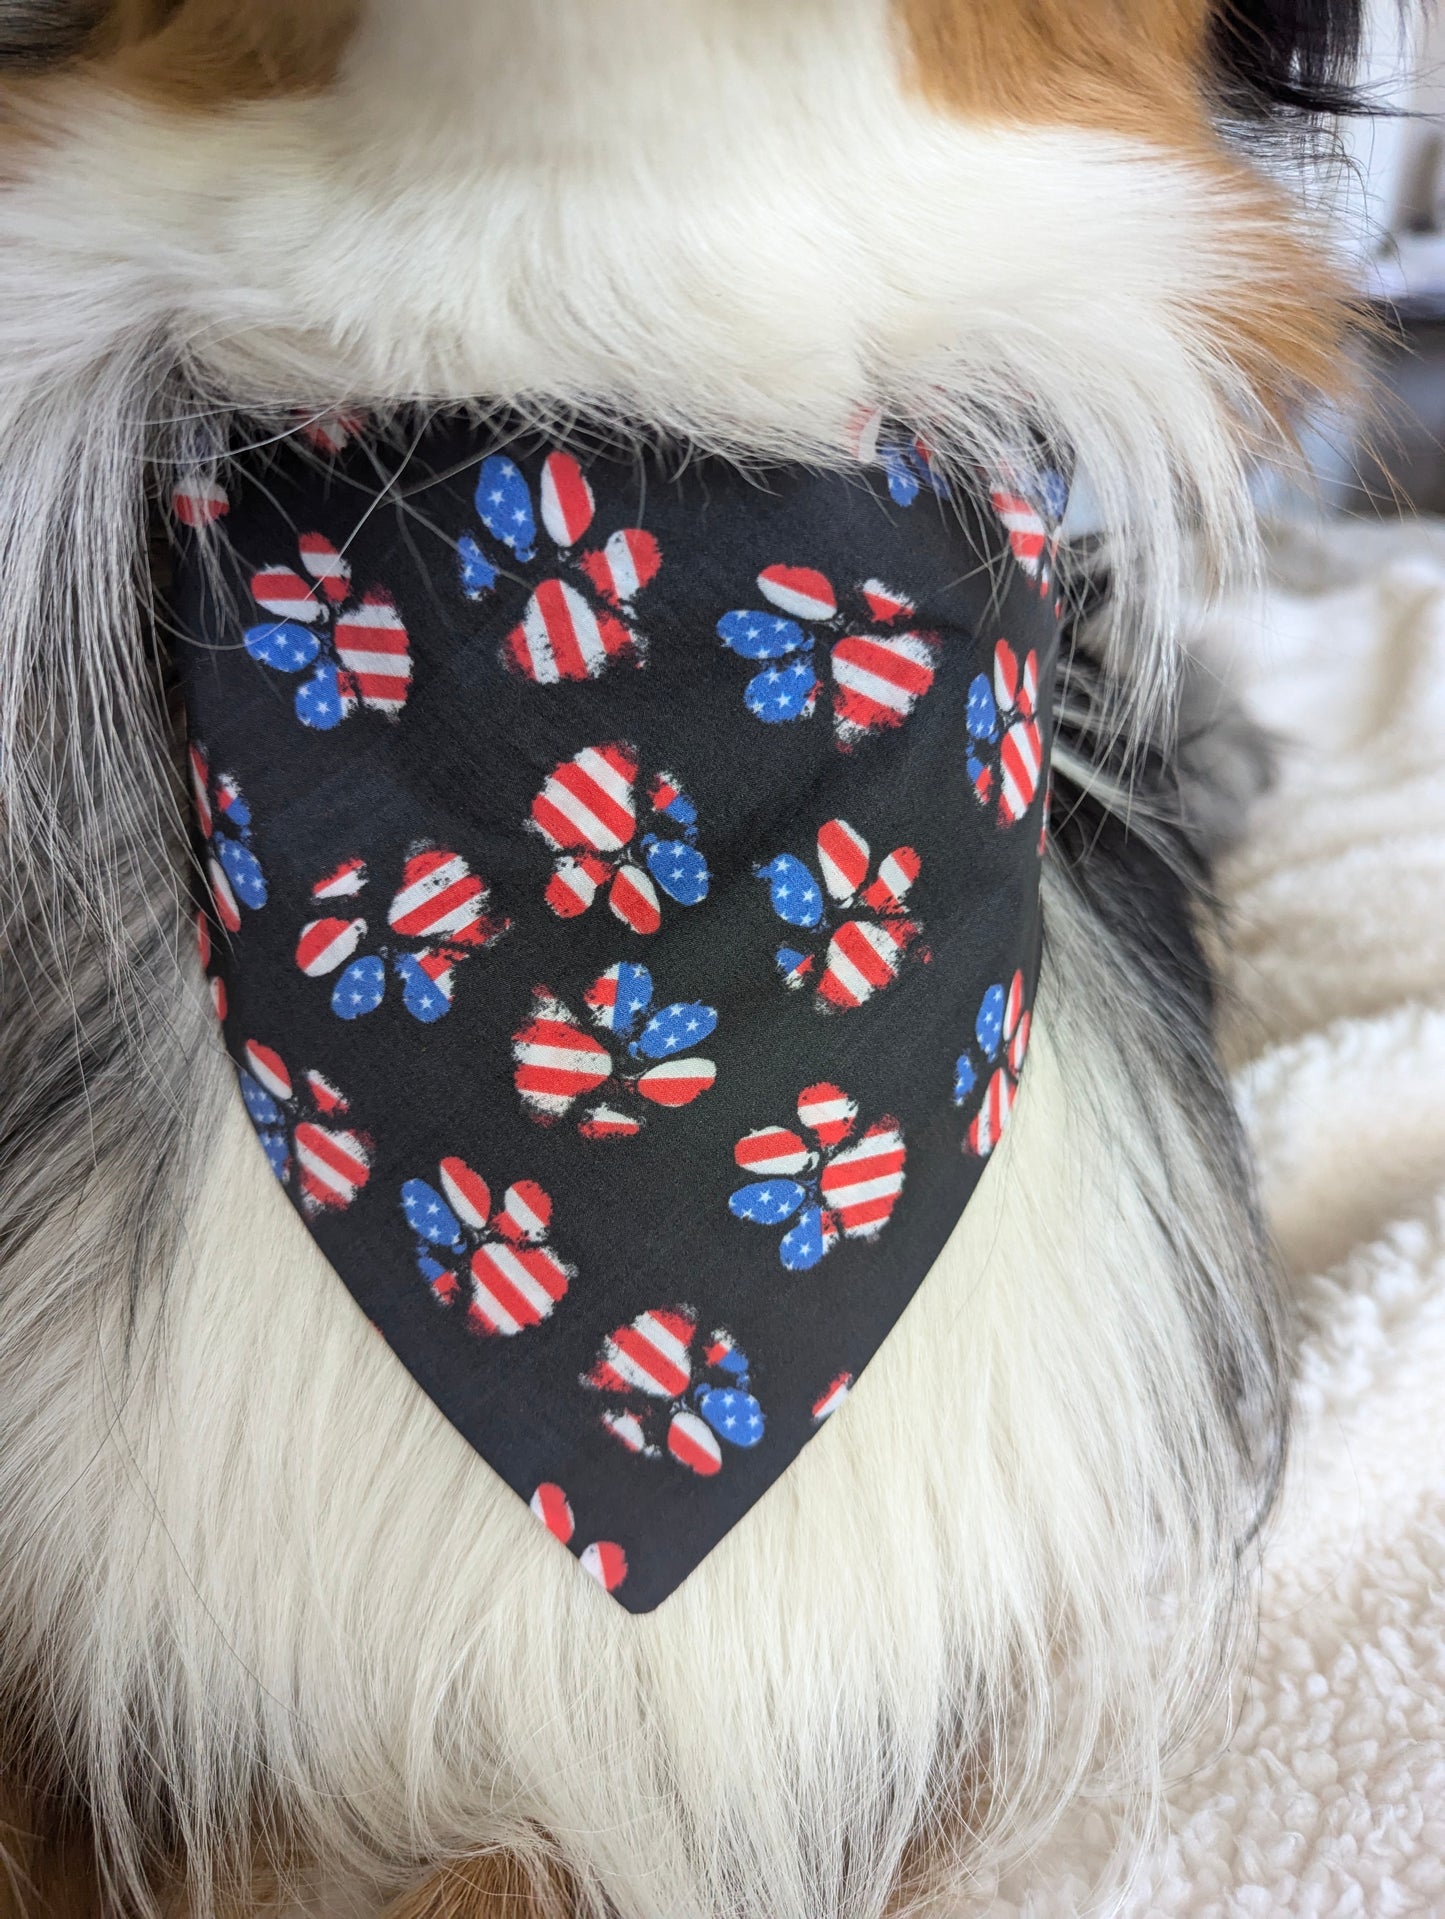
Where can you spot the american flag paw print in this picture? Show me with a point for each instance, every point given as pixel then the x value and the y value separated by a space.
pixel 353 649
pixel 1005 739
pixel 1001 1043
pixel 558 1062
pixel 513 1278
pixel 439 917
pixel 577 621
pixel 667 1399
pixel 235 874
pixel 866 948
pixel 846 1185
pixel 325 1164
pixel 587 813
pixel 604 1559
pixel 1031 504
pixel 907 461
pixel 879 665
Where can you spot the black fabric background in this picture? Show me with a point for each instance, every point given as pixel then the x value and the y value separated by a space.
pixel 645 1221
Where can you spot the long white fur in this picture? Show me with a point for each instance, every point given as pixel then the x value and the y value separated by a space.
pixel 233 1535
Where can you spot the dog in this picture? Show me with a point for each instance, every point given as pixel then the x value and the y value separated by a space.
pixel 275 1637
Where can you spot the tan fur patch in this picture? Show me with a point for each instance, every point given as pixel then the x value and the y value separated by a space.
pixel 1126 66
pixel 44 1873
pixel 207 53
pixel 497 1886
pixel 1138 68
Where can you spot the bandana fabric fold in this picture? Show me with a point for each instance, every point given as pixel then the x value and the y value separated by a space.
pixel 623 909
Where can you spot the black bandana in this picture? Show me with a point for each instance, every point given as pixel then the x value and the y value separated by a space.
pixel 624 917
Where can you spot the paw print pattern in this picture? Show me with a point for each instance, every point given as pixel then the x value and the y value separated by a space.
pixel 439 916
pixel 559 1062
pixel 659 1400
pixel 358 647
pixel 587 814
pixel 515 1278
pixel 1002 1034
pixel 326 1164
pixel 604 1559
pixel 1031 506
pixel 573 628
pixel 199 500
pixel 1005 741
pixel 848 1185
pixel 832 1397
pixel 880 667
pixel 907 462
pixel 225 820
pixel 864 954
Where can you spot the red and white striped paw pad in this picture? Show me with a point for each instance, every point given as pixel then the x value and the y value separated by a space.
pixel 1009 766
pixel 603 1559
pixel 198 501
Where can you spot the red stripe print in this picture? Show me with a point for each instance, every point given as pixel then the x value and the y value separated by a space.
pixel 1021 758
pixel 692 1442
pixel 606 1562
pixel 828 1111
pixel 862 1185
pixel 562 638
pixel 895 880
pixel 629 561
pixel 677 1082
pixel 652 1355
pixel 588 801
pixel 556 1061
pixel 373 647
pixel 345 879
pixel 197 502
pixel 467 1193
pixel 515 1287
pixel 281 591
pixel 633 898
pixel 799 590
pixel 842 858
pixel 325 944
pixel 334 1166
pixel 526 1211
pixel 326 566
pixel 567 502
pixel 227 911
pixel 200 782
pixel 440 897
pixel 573 887
pixel 863 956
pixel 549 1503
pixel 772 1149
pixel 885 604
pixel 267 1066
pixel 878 681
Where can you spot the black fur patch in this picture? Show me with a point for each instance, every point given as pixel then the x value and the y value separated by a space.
pixel 1290 56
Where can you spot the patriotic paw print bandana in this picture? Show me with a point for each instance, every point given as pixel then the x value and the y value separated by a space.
pixel 622 904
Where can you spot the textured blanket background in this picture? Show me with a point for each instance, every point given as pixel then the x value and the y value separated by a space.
pixel 1330 1799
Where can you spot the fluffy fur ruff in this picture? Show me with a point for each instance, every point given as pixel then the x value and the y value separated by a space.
pixel 257 1599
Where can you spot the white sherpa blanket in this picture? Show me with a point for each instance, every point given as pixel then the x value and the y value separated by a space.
pixel 1330 1798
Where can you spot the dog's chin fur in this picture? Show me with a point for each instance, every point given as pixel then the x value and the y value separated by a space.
pixel 257 1599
